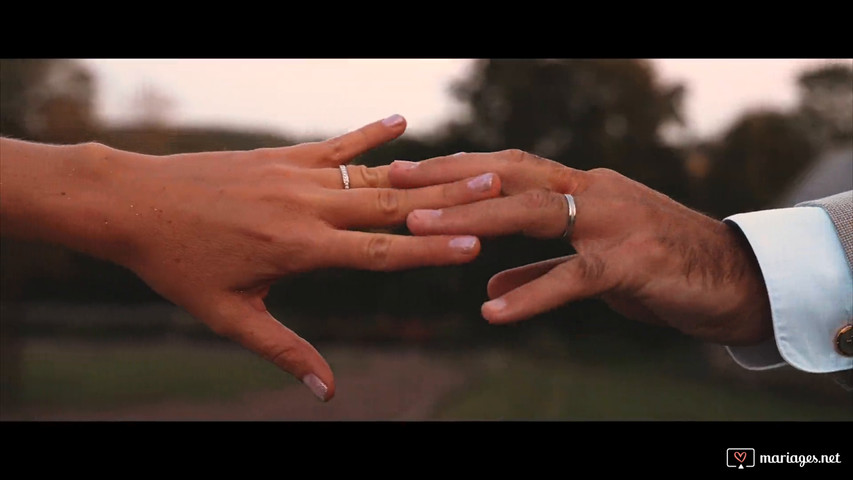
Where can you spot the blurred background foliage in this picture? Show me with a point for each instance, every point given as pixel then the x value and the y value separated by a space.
pixel 582 113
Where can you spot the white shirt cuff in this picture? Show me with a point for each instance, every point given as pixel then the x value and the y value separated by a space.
pixel 809 285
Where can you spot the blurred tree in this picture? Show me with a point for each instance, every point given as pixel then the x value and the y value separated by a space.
pixel 152 107
pixel 763 152
pixel 17 80
pixel 582 113
pixel 826 104
pixel 755 161
pixel 48 100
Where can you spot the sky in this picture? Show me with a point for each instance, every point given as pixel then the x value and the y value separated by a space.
pixel 325 97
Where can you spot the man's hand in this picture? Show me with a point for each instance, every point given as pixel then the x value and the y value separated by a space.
pixel 649 257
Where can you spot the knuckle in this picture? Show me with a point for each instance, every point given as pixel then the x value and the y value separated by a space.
pixel 537 199
pixel 542 203
pixel 591 267
pixel 604 172
pixel 545 206
pixel 335 150
pixel 448 193
pixel 514 155
pixel 378 249
pixel 284 354
pixel 388 201
pixel 368 176
pixel 562 179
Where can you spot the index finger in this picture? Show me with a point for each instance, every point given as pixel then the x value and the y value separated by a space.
pixel 339 150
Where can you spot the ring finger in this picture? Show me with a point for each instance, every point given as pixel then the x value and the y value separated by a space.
pixel 535 213
pixel 359 176
pixel 373 207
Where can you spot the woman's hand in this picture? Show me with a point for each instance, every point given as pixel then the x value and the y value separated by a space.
pixel 649 257
pixel 212 231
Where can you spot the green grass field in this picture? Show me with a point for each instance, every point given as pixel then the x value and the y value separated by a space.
pixel 95 376
pixel 500 384
pixel 525 388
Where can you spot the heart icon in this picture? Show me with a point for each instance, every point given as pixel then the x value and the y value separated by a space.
pixel 740 456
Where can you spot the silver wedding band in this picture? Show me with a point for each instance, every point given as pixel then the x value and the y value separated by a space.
pixel 570 222
pixel 344 176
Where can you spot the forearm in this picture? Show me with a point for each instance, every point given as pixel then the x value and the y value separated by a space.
pixel 70 195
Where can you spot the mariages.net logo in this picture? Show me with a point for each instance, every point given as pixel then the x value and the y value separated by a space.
pixel 742 458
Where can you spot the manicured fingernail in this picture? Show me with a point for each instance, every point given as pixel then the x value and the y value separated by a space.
pixel 317 387
pixel 463 244
pixel 404 164
pixel 481 183
pixel 426 214
pixel 393 121
pixel 495 305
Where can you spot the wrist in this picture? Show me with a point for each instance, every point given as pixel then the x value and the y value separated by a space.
pixel 105 222
pixel 69 195
pixel 751 319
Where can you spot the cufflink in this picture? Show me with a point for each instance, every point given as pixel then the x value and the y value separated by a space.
pixel 844 340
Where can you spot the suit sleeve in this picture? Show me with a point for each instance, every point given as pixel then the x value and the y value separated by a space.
pixel 806 257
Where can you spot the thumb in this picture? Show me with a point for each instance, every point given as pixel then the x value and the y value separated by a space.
pixel 247 321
